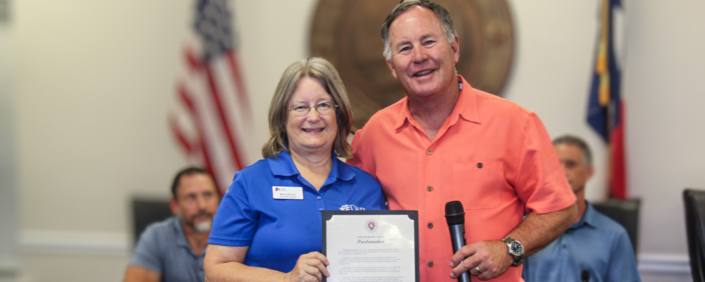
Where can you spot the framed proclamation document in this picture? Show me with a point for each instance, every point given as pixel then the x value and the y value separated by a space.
pixel 379 246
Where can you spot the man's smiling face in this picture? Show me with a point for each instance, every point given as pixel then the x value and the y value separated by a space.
pixel 422 58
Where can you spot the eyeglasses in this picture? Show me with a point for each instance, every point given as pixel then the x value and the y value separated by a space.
pixel 323 108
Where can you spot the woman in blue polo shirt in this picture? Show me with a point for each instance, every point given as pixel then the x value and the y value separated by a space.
pixel 268 225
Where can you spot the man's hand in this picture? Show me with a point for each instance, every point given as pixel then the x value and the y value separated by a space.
pixel 310 267
pixel 490 257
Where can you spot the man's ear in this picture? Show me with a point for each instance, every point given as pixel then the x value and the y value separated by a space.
pixel 455 46
pixel 174 207
pixel 391 68
pixel 590 171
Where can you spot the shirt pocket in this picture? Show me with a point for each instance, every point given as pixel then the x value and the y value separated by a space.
pixel 478 185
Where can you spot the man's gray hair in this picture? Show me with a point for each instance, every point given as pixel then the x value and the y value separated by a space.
pixel 575 141
pixel 441 13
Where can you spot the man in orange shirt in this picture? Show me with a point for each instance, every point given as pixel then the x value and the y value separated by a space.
pixel 446 141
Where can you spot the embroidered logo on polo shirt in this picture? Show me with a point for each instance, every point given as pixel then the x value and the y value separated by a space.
pixel 351 208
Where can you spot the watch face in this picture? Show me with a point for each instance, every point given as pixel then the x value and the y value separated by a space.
pixel 517 248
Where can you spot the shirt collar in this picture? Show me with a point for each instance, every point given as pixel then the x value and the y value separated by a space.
pixel 465 107
pixel 588 217
pixel 284 166
pixel 179 231
pixel 181 236
pixel 468 102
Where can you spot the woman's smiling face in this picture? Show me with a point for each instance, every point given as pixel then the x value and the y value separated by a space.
pixel 313 132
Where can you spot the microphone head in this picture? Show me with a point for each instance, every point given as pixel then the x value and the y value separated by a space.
pixel 585 275
pixel 455 214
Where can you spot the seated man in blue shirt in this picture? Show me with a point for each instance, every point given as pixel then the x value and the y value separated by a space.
pixel 595 246
pixel 174 249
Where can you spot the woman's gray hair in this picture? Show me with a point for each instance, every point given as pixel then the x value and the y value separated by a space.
pixel 441 13
pixel 325 73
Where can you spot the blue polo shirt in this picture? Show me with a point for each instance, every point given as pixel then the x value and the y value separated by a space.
pixel 163 248
pixel 278 231
pixel 596 243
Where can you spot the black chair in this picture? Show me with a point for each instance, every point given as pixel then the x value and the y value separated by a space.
pixel 695 229
pixel 625 213
pixel 146 212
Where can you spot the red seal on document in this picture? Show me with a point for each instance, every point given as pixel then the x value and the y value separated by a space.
pixel 371 225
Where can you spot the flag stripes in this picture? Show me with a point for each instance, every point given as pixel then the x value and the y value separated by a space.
pixel 212 119
pixel 225 125
pixel 233 60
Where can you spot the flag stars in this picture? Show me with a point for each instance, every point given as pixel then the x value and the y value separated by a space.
pixel 214 27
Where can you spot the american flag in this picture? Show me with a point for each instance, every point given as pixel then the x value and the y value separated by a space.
pixel 212 114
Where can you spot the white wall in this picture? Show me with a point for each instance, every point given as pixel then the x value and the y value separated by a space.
pixel 664 65
pixel 94 83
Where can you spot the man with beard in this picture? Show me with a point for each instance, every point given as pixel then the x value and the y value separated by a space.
pixel 173 250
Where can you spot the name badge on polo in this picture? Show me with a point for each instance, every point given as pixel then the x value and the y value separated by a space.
pixel 288 193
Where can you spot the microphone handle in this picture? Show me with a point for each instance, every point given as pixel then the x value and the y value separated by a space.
pixel 457 237
pixel 585 276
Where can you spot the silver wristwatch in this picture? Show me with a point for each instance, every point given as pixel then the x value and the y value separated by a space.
pixel 516 250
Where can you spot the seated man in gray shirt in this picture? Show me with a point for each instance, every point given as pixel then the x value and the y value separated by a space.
pixel 173 250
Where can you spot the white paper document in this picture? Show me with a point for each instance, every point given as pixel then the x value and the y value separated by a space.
pixel 379 246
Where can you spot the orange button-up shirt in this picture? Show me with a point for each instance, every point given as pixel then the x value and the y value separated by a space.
pixel 491 154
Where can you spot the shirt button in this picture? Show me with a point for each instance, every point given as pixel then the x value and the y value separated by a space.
pixel 429 188
pixel 430 225
pixel 430 152
pixel 430 264
pixel 564 246
pixel 479 165
pixel 319 197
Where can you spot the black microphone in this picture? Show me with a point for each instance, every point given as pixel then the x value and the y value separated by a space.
pixel 455 216
pixel 585 276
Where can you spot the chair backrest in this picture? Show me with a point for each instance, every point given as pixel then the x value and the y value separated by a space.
pixel 146 212
pixel 625 213
pixel 695 229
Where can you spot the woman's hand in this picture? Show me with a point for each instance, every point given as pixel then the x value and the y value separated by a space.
pixel 310 267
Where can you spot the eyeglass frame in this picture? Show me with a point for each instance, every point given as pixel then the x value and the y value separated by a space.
pixel 308 108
